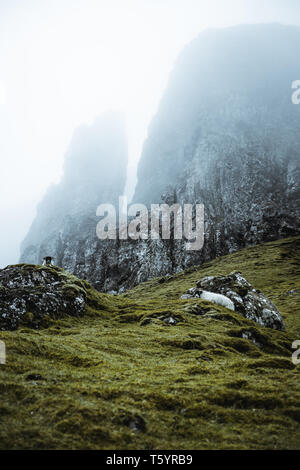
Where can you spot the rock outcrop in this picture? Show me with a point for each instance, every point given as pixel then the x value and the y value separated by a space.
pixel 31 295
pixel 247 300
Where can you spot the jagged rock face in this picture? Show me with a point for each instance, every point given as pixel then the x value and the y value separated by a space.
pixel 227 108
pixel 31 295
pixel 250 302
pixel 227 135
pixel 65 225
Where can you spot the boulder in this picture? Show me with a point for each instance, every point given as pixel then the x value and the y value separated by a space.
pixel 31 295
pixel 245 299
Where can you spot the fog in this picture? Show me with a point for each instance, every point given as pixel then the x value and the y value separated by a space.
pixel 64 62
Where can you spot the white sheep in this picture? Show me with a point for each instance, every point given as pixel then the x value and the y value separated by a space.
pixel 217 299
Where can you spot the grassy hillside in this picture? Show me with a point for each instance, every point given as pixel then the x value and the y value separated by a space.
pixel 122 378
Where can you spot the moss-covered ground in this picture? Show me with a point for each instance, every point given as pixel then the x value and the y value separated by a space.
pixel 122 378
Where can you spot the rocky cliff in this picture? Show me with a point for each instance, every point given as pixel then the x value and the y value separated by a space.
pixel 226 135
pixel 65 225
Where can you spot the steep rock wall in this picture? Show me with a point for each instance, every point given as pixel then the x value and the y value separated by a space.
pixel 65 225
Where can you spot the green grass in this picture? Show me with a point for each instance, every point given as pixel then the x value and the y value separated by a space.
pixel 121 378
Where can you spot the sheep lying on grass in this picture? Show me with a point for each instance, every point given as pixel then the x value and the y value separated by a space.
pixel 211 297
pixel 217 299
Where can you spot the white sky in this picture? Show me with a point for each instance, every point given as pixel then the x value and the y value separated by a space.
pixel 64 62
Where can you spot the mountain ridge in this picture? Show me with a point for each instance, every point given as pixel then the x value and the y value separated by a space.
pixel 226 135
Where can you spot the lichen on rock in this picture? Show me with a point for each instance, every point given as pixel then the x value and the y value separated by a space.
pixel 31 295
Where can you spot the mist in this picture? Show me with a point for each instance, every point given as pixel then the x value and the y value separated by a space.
pixel 63 63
